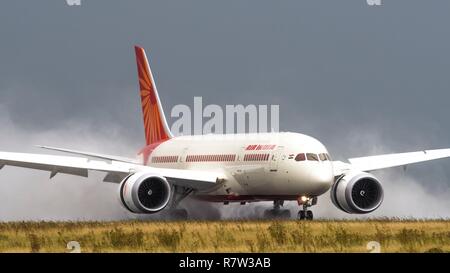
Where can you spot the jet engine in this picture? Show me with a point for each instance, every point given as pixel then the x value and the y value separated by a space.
pixel 145 193
pixel 357 192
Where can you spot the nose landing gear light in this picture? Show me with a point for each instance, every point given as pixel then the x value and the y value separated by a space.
pixel 306 202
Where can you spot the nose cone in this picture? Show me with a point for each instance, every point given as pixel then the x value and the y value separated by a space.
pixel 322 178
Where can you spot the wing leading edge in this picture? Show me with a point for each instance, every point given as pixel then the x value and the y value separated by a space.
pixel 93 155
pixel 377 162
pixel 116 171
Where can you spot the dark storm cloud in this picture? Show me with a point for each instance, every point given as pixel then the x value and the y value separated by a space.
pixel 362 79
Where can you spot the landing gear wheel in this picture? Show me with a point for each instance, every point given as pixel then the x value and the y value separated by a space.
pixel 309 215
pixel 306 202
pixel 305 215
pixel 301 215
pixel 178 214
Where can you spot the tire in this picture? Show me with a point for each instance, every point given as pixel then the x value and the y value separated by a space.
pixel 301 215
pixel 309 215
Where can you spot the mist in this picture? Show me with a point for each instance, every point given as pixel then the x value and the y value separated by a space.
pixel 363 80
pixel 419 191
pixel 31 195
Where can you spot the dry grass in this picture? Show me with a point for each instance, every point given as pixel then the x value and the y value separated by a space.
pixel 227 236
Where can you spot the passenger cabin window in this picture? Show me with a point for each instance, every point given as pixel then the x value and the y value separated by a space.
pixel 323 157
pixel 312 157
pixel 300 157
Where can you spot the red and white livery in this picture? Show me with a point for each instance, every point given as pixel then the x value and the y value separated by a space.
pixel 225 168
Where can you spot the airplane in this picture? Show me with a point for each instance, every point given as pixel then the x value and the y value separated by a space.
pixel 244 168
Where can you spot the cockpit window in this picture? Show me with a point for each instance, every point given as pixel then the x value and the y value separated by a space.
pixel 300 157
pixel 324 157
pixel 312 157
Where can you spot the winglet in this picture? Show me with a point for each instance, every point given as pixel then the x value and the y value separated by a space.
pixel 155 124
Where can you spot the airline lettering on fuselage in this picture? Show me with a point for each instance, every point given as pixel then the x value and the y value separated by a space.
pixel 256 147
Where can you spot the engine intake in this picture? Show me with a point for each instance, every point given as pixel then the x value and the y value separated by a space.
pixel 357 192
pixel 145 193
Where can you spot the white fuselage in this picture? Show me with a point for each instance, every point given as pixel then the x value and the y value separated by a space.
pixel 257 166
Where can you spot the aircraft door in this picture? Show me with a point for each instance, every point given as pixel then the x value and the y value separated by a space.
pixel 183 155
pixel 275 159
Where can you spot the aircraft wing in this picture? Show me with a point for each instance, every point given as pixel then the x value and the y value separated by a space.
pixel 377 162
pixel 93 155
pixel 116 170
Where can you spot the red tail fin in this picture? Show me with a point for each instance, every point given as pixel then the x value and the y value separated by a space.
pixel 155 124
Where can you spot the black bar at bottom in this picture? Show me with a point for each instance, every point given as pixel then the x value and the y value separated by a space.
pixel 222 262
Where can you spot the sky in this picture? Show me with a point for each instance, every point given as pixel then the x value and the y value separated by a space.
pixel 362 79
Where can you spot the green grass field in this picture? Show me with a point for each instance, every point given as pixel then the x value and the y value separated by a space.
pixel 227 236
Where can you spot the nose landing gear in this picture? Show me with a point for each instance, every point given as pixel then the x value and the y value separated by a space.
pixel 306 202
pixel 305 214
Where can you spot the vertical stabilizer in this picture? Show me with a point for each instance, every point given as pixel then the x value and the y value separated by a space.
pixel 155 123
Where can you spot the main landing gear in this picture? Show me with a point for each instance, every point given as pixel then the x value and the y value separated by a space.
pixel 306 202
pixel 277 212
pixel 303 214
pixel 173 212
pixel 177 214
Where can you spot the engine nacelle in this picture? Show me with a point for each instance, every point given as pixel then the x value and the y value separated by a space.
pixel 357 192
pixel 145 193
